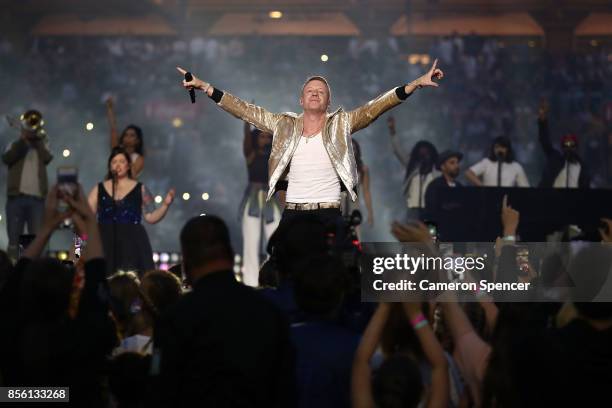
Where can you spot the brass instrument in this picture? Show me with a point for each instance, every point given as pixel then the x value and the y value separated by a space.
pixel 30 121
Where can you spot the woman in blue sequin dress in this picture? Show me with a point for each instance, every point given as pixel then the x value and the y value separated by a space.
pixel 126 243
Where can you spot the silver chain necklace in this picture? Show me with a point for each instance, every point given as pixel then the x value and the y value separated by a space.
pixel 308 137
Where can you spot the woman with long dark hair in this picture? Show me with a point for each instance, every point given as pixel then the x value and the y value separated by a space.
pixel 420 171
pixel 499 169
pixel 131 139
pixel 121 203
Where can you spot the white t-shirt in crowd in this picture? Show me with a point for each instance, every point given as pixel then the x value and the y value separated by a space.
pixel 512 174
pixel 574 173
pixel 312 177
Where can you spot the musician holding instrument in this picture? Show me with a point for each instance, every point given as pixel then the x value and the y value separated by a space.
pixel 27 159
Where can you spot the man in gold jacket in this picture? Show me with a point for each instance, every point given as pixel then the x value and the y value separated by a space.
pixel 312 151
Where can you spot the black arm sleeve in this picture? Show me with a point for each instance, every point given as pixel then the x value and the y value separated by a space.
pixel 400 91
pixel 216 95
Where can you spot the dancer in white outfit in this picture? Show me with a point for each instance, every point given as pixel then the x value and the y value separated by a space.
pixel 256 213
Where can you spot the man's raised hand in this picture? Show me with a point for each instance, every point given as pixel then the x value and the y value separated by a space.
pixel 195 83
pixel 509 218
pixel 433 73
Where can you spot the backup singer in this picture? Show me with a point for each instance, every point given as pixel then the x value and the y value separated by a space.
pixel 256 213
pixel 120 210
pixel 131 139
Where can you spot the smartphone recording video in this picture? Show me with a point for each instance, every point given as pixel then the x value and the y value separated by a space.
pixel 67 181
pixel 67 186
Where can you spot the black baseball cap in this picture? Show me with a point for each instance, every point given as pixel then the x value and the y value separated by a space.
pixel 448 154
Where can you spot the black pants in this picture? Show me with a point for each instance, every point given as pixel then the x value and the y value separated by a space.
pixel 330 217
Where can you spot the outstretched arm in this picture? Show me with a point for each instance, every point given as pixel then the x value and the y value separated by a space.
pixel 440 384
pixel 255 115
pixel 51 220
pixel 112 123
pixel 368 113
pixel 361 381
pixel 543 132
pixel 156 215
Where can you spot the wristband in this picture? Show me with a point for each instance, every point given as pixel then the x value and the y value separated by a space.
pixel 511 238
pixel 418 321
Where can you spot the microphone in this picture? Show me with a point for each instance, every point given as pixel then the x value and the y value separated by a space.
pixel 188 78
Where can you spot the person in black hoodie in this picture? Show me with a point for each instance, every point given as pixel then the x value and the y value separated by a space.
pixel 564 168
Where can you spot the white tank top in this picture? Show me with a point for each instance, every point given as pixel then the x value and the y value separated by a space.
pixel 312 177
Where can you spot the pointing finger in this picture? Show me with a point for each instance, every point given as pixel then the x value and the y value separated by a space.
pixel 181 70
pixel 433 67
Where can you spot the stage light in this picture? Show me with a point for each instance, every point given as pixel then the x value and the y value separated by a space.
pixel 324 57
pixel 414 59
pixel 275 14
pixel 177 122
pixel 158 199
pixel 174 257
pixel 89 126
pixel 425 59
pixel 203 215
pixel 0 217
pixel 164 257
pixel 205 196
pixel 62 255
pixel 237 258
pixel 237 272
pixel 66 153
pixel 164 266
pixel 186 196
pixel 155 257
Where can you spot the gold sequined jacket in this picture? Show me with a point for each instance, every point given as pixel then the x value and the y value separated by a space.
pixel 287 128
